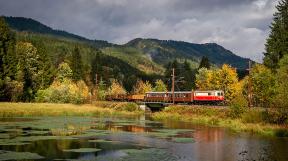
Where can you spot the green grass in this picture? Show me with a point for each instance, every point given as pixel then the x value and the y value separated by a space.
pixel 49 109
pixel 250 121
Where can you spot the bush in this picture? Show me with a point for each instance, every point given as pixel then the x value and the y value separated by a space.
pixel 126 106
pixel 276 115
pixel 252 116
pixel 238 106
pixel 65 92
pixel 236 111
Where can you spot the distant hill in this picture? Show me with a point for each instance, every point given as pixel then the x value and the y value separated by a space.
pixel 148 55
pixel 30 25
pixel 163 51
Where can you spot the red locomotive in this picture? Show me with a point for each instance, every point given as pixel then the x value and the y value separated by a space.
pixel 189 97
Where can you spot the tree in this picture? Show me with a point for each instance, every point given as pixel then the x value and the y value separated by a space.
pixel 34 72
pixel 160 86
pixel 116 89
pixel 76 65
pixel 282 84
pixel 64 73
pixel 262 84
pixel 142 87
pixel 63 89
pixel 204 63
pixel 220 79
pixel 8 61
pixel 101 90
pixel 277 42
pixel 95 67
pixel 228 82
pixel 203 79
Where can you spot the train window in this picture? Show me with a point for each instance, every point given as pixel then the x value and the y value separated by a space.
pixel 218 93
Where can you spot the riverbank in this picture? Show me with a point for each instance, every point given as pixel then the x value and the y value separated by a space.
pixel 250 120
pixel 51 109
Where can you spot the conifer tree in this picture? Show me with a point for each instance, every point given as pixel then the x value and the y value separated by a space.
pixel 76 65
pixel 277 43
pixel 204 63
pixel 8 61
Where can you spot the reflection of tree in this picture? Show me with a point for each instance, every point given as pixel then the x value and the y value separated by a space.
pixel 209 134
pixel 50 149
pixel 130 128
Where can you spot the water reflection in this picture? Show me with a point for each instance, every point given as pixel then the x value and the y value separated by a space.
pixel 142 133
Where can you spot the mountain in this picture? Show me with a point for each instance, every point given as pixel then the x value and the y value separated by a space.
pixel 146 55
pixel 163 51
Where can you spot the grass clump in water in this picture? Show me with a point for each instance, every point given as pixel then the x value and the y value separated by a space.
pixel 82 150
pixel 70 129
pixel 184 140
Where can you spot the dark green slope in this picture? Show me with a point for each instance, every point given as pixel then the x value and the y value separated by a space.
pixel 30 25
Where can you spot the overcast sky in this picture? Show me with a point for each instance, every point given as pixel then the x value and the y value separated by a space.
pixel 241 26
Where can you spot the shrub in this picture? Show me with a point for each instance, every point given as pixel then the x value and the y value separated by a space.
pixel 126 106
pixel 252 116
pixel 65 92
pixel 238 106
pixel 276 115
pixel 236 111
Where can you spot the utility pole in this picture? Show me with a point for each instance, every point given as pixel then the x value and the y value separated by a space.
pixel 250 104
pixel 96 79
pixel 96 85
pixel 173 85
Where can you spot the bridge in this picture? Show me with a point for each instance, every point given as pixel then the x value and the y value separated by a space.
pixel 154 106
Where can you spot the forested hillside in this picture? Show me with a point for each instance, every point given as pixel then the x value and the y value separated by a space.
pixel 159 51
pixel 163 51
pixel 38 57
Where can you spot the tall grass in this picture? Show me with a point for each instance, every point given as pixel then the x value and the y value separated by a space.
pixel 47 109
pixel 249 120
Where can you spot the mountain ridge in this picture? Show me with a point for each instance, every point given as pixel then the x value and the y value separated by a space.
pixel 159 51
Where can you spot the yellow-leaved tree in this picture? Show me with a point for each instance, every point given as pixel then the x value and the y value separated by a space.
pixel 116 89
pixel 228 82
pixel 203 79
pixel 160 86
pixel 225 79
pixel 64 89
pixel 142 87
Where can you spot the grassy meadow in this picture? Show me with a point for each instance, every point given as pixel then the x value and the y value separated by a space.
pixel 50 109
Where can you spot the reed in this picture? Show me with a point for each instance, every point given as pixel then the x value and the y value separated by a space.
pixel 48 109
pixel 250 121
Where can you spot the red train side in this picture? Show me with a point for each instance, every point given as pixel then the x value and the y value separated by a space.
pixel 195 97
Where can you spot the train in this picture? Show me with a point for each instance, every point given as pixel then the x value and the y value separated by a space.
pixel 185 97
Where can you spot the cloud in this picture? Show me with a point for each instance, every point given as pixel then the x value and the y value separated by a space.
pixel 239 25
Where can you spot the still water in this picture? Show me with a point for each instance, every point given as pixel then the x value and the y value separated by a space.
pixel 131 139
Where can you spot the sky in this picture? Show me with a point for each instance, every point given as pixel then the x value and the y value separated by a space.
pixel 241 26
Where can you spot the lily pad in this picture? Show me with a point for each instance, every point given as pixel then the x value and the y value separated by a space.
pixel 151 154
pixel 101 141
pixel 166 133
pixel 9 155
pixel 184 140
pixel 82 150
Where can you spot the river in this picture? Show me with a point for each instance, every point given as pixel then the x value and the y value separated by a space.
pixel 131 139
